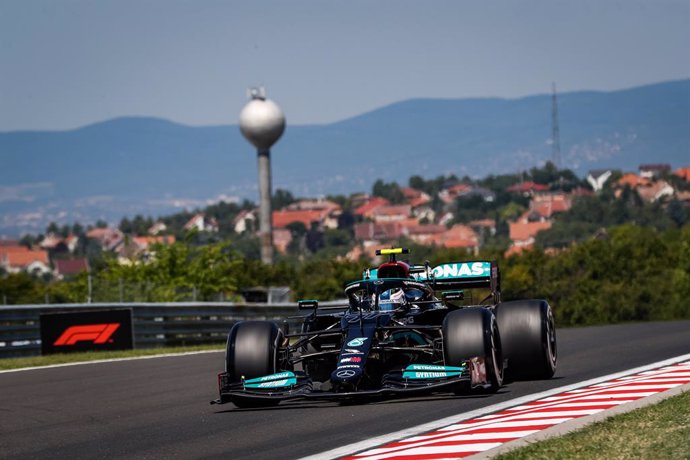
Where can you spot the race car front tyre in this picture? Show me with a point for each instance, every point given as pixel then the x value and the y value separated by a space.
pixel 473 332
pixel 252 351
pixel 528 334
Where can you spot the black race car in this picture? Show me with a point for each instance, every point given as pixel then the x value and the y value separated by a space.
pixel 405 329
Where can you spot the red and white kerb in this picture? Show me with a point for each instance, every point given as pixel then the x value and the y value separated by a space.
pixel 483 433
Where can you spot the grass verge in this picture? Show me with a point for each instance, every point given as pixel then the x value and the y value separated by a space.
pixel 48 360
pixel 658 431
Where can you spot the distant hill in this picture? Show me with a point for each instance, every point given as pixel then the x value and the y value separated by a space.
pixel 146 165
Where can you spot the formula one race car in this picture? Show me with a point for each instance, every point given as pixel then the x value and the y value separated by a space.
pixel 404 330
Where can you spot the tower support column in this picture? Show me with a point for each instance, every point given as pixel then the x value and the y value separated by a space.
pixel 265 213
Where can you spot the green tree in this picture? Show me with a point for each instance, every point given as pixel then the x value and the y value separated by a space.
pixel 64 231
pixel 631 274
pixel 140 225
pixel 314 239
pixel 77 229
pixel 126 225
pixel 177 270
pixel 247 245
pixel 324 279
pixel 432 186
pixel 678 213
pixel 213 269
pixel 282 199
pixel 29 241
pixel 417 182
pixel 337 237
pixel 390 191
pixel 21 288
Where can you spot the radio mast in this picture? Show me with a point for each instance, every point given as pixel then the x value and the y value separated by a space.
pixel 555 132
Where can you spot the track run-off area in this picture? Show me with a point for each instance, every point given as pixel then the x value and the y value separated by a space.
pixel 155 408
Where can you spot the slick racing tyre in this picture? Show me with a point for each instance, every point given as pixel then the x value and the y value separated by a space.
pixel 252 351
pixel 473 332
pixel 528 334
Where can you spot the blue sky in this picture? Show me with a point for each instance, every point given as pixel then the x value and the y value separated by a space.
pixel 65 64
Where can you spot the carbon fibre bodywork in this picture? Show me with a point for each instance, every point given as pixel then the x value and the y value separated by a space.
pixel 404 329
pixel 360 349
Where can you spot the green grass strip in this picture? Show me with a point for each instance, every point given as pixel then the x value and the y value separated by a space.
pixel 65 358
pixel 660 431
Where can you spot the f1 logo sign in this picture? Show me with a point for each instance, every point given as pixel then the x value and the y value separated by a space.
pixel 96 333
pixel 86 330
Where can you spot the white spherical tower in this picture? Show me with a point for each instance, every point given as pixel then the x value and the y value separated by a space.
pixel 262 123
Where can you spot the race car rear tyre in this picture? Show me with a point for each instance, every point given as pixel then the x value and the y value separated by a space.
pixel 528 334
pixel 252 351
pixel 473 332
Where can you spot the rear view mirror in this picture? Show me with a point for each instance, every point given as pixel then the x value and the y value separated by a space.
pixel 454 295
pixel 307 304
pixel 450 297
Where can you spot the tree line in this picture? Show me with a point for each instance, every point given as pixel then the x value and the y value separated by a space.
pixel 627 273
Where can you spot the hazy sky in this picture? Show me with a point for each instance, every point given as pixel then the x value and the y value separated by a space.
pixel 64 64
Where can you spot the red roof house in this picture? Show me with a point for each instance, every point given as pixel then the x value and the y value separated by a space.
pixel 448 195
pixel 633 181
pixel 683 173
pixel 391 213
pixel 543 207
pixel 522 235
pixel 282 219
pixel 656 191
pixel 425 234
pixel 414 197
pixel 202 223
pixel 145 241
pixel 70 267
pixel 108 238
pixel 524 232
pixel 379 231
pixel 317 204
pixel 459 236
pixel 366 209
pixel 527 188
pixel 15 259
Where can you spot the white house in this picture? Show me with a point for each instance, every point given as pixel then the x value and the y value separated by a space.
pixel 597 178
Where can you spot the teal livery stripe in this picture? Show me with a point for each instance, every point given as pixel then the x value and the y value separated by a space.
pixel 433 367
pixel 431 371
pixel 272 384
pixel 281 379
pixel 429 375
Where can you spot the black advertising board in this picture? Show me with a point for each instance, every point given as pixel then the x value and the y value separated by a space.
pixel 86 331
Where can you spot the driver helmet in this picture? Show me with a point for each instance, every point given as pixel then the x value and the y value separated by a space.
pixel 392 299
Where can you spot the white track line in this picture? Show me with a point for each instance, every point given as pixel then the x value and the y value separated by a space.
pixel 112 360
pixel 351 449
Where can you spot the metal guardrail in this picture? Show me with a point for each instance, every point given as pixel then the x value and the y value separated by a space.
pixel 154 324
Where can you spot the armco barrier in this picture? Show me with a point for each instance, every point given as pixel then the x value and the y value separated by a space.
pixel 154 324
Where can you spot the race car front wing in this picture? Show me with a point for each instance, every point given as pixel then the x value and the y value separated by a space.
pixel 414 379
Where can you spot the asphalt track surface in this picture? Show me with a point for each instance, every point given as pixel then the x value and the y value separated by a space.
pixel 158 408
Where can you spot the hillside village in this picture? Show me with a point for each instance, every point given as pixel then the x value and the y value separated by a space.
pixel 431 214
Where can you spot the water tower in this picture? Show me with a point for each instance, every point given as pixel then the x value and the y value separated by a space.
pixel 262 123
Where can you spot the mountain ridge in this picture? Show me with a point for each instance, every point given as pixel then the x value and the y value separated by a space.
pixel 681 82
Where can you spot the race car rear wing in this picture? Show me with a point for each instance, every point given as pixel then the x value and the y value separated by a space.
pixel 463 275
